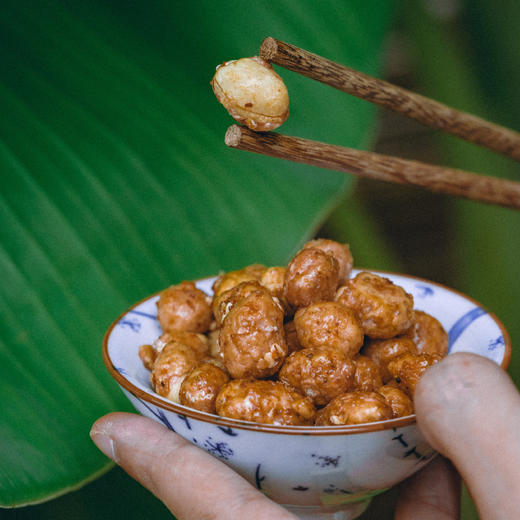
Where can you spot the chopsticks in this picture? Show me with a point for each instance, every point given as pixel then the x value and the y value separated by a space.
pixel 377 166
pixel 422 109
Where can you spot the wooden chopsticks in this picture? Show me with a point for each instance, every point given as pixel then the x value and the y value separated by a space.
pixel 377 166
pixel 422 109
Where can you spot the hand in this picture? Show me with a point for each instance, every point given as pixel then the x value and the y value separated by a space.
pixel 157 458
pixel 467 407
pixel 469 410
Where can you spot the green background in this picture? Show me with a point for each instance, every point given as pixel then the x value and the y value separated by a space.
pixel 115 182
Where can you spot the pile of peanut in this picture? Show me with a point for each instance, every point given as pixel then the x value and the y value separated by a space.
pixel 305 344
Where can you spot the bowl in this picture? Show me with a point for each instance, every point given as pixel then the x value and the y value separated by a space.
pixel 316 472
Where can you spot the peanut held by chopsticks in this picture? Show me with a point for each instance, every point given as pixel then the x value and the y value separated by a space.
pixel 252 93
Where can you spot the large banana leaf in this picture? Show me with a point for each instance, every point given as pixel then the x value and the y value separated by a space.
pixel 115 182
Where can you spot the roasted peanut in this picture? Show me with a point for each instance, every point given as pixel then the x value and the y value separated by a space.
pixel 252 93
pixel 382 351
pixel 160 342
pixel 268 402
pixel 273 279
pixel 354 408
pixel 367 377
pixel 383 308
pixel 171 367
pixel 228 280
pixel 201 385
pixel 184 307
pixel 398 401
pixel 408 369
pixel 329 324
pixel 320 373
pixel 312 275
pixel 341 252
pixel 225 301
pixel 252 337
pixel 428 334
pixel 198 342
pixel 147 355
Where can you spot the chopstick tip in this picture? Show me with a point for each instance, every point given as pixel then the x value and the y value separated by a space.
pixel 233 136
pixel 268 48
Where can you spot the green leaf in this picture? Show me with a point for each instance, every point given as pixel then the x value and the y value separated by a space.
pixel 116 183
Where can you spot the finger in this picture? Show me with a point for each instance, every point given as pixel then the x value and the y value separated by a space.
pixel 191 483
pixel 469 410
pixel 431 494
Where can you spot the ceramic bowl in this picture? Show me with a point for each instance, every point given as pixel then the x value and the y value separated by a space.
pixel 316 472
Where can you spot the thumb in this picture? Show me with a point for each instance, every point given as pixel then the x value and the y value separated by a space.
pixel 469 410
pixel 190 482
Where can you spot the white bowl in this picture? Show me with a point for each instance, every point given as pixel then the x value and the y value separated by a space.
pixel 316 472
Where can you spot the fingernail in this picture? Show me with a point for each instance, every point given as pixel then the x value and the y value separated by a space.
pixel 103 440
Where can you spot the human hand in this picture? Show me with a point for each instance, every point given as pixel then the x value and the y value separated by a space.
pixel 157 458
pixel 467 408
pixel 469 411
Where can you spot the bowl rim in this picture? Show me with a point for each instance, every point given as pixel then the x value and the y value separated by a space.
pixel 279 429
